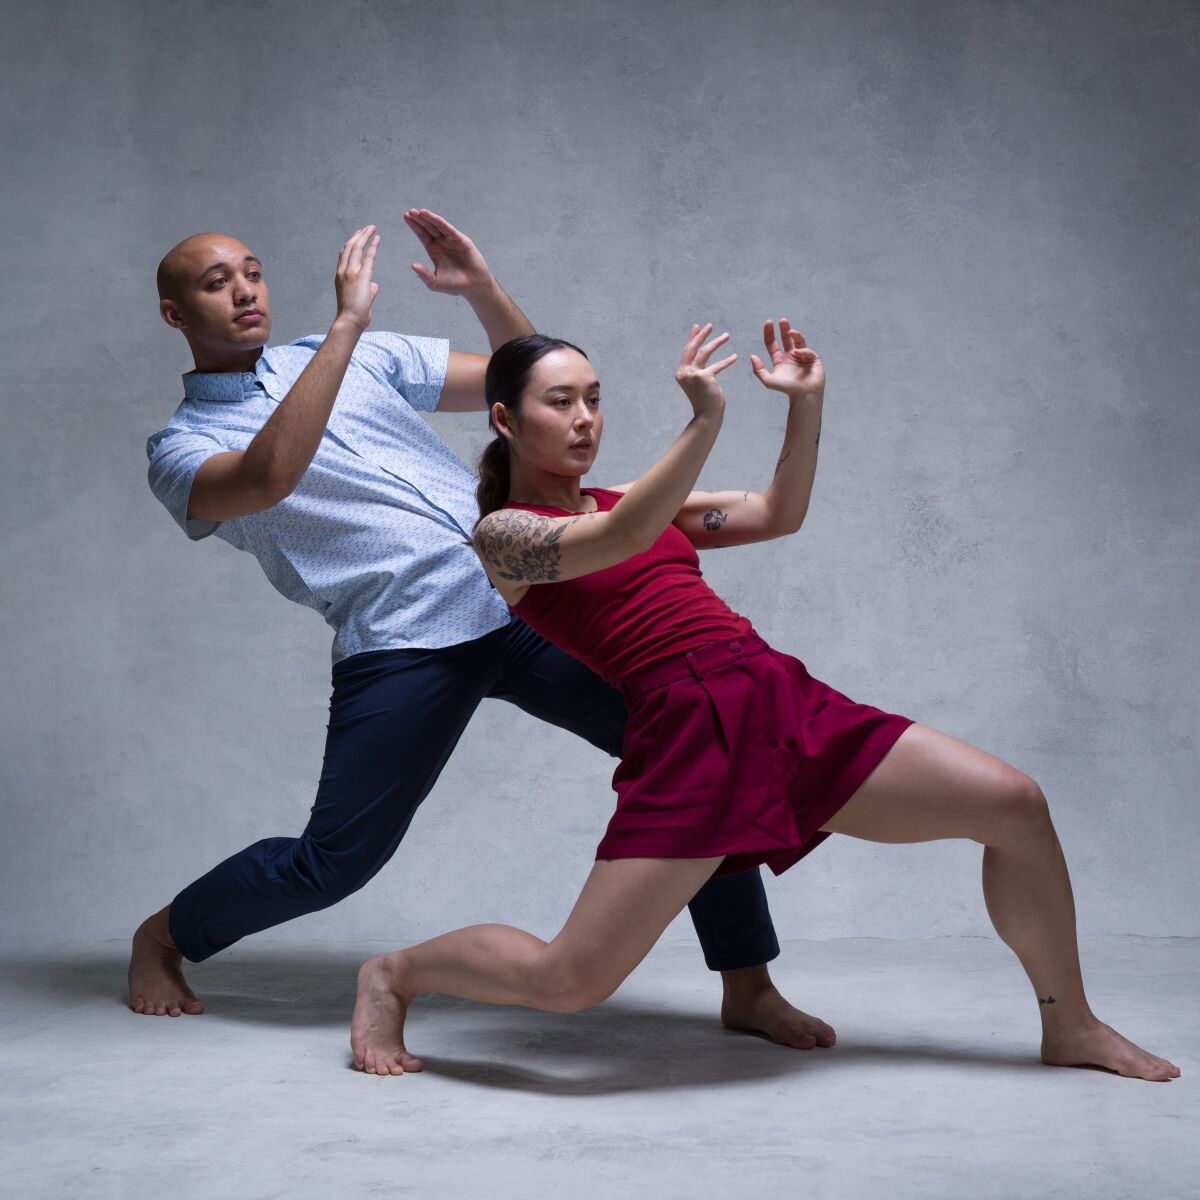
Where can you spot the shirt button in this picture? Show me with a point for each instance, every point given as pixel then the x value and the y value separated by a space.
pixel 735 647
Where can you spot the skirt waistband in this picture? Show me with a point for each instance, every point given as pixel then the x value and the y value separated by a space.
pixel 699 662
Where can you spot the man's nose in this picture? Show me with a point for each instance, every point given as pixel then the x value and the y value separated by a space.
pixel 244 291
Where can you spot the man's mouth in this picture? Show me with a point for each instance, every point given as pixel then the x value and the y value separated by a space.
pixel 249 318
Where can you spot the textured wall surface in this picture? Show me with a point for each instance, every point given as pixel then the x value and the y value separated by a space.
pixel 982 215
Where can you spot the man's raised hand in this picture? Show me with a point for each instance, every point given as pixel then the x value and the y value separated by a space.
pixel 458 267
pixel 356 291
pixel 795 368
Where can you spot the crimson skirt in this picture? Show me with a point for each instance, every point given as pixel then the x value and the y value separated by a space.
pixel 735 749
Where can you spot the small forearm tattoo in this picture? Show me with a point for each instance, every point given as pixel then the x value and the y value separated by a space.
pixel 714 519
pixel 1048 1000
pixel 818 441
pixel 786 455
pixel 522 547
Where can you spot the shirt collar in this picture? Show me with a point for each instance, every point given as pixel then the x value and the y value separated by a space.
pixel 226 387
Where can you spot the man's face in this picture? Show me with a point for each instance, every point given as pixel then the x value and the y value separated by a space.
pixel 217 296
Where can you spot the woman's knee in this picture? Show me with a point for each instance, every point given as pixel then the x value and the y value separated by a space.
pixel 568 988
pixel 1021 807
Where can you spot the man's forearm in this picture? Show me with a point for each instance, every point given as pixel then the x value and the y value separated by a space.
pixel 501 319
pixel 284 447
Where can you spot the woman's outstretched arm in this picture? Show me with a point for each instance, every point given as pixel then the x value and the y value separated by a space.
pixel 520 548
pixel 736 517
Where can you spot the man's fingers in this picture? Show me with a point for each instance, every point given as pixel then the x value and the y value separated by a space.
pixel 422 217
pixel 369 254
pixel 357 249
pixel 344 256
pixel 769 337
pixel 425 273
pixel 426 237
pixel 443 227
pixel 756 365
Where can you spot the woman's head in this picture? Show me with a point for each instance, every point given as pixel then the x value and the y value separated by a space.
pixel 544 407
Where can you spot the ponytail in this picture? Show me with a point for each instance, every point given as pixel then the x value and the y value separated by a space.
pixel 494 477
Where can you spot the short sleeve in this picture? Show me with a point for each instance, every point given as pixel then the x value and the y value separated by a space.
pixel 175 456
pixel 414 366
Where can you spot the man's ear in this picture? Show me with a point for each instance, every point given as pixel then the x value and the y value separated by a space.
pixel 171 313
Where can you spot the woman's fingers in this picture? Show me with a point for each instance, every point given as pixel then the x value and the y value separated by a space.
pixel 701 358
pixel 718 367
pixel 769 338
pixel 698 334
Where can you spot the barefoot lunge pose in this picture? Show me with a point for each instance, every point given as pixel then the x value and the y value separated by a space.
pixel 312 457
pixel 734 754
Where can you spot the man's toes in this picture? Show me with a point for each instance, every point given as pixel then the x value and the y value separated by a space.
pixel 193 1007
pixel 137 1004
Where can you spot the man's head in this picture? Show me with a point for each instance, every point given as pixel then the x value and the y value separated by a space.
pixel 211 288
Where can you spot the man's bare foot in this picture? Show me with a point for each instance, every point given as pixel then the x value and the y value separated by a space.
pixel 1094 1044
pixel 377 1027
pixel 752 1004
pixel 156 984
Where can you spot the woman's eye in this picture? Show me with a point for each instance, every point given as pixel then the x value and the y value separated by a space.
pixel 254 275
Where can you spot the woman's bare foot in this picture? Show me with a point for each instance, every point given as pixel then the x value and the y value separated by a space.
pixel 1091 1043
pixel 156 984
pixel 377 1027
pixel 752 1004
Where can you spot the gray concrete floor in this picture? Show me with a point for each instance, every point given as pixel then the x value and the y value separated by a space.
pixel 933 1090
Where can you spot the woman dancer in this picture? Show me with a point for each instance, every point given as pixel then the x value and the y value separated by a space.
pixel 734 754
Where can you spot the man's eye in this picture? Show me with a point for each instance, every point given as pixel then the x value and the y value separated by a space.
pixel 213 282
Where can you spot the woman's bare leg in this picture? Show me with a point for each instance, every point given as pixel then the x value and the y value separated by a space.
pixel 621 912
pixel 931 786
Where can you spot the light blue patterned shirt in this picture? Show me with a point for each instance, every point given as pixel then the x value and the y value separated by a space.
pixel 374 534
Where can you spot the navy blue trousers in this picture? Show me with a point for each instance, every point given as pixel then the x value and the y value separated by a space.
pixel 394 718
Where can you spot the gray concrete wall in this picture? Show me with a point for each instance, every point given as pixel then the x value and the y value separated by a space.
pixel 983 217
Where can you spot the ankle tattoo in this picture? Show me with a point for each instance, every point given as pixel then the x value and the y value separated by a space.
pixel 1048 1000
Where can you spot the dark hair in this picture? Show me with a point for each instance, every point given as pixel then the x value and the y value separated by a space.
pixel 507 373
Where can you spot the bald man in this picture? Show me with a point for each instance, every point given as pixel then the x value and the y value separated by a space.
pixel 312 456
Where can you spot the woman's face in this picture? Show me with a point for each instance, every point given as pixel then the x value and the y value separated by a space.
pixel 558 426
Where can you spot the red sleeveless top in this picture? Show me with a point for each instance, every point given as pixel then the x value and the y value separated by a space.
pixel 621 619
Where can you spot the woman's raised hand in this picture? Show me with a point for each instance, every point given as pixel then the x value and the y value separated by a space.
pixel 795 369
pixel 697 376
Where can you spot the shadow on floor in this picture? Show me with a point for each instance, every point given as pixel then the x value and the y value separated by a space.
pixel 621 1046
